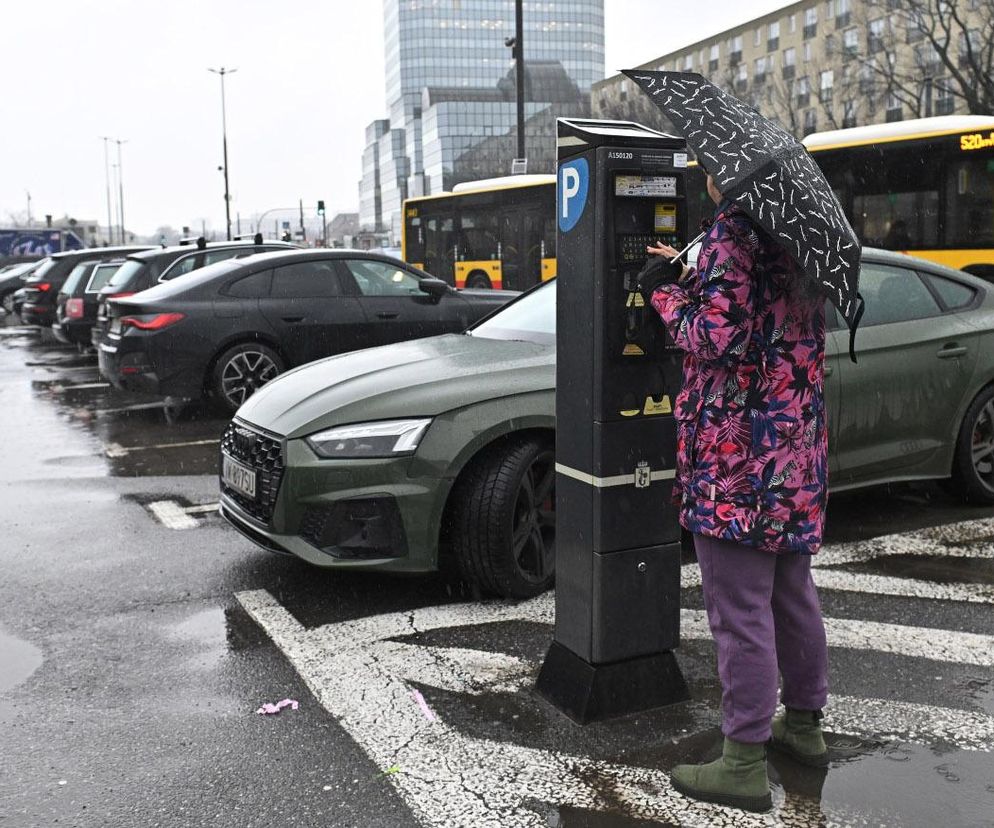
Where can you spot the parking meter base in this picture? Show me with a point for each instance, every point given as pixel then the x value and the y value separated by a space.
pixel 587 692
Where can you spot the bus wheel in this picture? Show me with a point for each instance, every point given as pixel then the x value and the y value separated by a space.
pixel 479 279
pixel 503 520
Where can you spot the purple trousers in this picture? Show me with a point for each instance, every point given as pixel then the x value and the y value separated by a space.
pixel 765 617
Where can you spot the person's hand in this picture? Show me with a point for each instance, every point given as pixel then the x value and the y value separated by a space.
pixel 660 249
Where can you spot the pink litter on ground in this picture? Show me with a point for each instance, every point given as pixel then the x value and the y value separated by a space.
pixel 423 705
pixel 269 709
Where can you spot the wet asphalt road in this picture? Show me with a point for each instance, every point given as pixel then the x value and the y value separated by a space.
pixel 130 669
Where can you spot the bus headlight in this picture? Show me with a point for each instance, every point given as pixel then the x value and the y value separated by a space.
pixel 387 438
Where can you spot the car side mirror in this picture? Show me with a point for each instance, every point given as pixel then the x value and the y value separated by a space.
pixel 435 288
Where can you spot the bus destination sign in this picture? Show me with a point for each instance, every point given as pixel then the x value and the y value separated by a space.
pixel 976 141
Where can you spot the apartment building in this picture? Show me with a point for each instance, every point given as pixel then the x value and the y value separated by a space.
pixel 829 64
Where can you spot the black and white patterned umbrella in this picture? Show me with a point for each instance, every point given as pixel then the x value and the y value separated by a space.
pixel 769 173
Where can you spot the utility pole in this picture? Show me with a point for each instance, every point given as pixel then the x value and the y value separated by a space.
pixel 517 46
pixel 519 71
pixel 29 206
pixel 224 142
pixel 303 232
pixel 110 220
pixel 120 185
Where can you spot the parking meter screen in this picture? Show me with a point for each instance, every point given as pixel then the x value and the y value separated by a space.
pixel 640 186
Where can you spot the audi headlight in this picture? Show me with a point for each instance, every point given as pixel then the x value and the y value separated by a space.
pixel 388 438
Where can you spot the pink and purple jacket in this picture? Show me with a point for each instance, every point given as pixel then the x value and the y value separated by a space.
pixel 752 450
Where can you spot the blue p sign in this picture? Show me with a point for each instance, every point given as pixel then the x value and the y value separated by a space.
pixel 574 179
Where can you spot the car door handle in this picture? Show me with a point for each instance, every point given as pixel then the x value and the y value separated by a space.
pixel 292 319
pixel 951 351
pixel 388 314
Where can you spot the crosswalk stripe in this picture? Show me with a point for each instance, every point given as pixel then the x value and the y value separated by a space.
pixel 840 580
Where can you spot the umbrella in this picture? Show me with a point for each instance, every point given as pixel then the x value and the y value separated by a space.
pixel 766 171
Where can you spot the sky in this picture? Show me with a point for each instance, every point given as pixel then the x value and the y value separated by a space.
pixel 307 82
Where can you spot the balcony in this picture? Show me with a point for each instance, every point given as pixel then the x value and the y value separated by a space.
pixel 804 99
pixel 843 20
pixel 788 72
pixel 894 115
pixel 810 31
pixel 772 44
pixel 734 58
pixel 713 65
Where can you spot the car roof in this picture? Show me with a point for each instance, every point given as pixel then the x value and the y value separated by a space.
pixel 277 257
pixel 88 252
pixel 878 255
pixel 177 250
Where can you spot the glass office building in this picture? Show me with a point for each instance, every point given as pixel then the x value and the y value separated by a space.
pixel 450 82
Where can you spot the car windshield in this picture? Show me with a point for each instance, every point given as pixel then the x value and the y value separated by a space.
pixel 42 269
pixel 102 274
pixel 532 318
pixel 77 273
pixel 124 274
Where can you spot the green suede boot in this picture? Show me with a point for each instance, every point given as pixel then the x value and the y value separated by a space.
pixel 737 779
pixel 797 733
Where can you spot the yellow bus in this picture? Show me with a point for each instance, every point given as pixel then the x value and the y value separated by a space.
pixel 924 187
pixel 495 233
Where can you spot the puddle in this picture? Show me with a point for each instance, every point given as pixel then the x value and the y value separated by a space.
pixel 18 660
pixel 206 634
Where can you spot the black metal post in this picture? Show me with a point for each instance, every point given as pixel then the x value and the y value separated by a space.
pixel 519 71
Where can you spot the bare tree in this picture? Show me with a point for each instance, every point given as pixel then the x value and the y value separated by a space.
pixel 924 52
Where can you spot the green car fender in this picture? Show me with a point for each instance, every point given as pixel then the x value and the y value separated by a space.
pixel 458 436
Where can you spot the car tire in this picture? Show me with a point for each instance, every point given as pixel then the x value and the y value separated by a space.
pixel 503 527
pixel 241 370
pixel 973 462
pixel 478 280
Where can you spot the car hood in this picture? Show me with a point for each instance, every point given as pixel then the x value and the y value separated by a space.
pixel 424 377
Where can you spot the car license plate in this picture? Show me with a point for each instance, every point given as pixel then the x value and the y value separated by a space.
pixel 238 477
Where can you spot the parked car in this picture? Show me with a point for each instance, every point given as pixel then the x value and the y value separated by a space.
pixel 144 270
pixel 11 280
pixel 440 452
pixel 76 304
pixel 42 287
pixel 231 327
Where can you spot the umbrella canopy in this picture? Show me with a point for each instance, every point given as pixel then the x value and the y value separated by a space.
pixel 769 174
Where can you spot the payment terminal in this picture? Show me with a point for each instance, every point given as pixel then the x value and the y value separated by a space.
pixel 620 187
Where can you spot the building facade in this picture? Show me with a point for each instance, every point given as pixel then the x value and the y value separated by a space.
pixel 450 89
pixel 830 64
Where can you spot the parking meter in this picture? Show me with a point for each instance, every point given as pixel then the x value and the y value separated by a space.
pixel 621 186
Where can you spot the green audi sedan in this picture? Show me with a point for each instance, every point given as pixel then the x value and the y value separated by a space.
pixel 439 452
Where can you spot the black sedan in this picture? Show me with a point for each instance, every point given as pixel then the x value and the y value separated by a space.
pixel 233 326
pixel 76 303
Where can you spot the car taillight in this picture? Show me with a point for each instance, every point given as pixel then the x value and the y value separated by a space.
pixel 151 322
pixel 121 295
pixel 74 309
pixel 42 286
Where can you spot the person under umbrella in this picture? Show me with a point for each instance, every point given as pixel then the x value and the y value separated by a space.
pixel 752 449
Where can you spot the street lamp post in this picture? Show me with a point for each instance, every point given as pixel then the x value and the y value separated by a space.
pixel 224 141
pixel 110 219
pixel 517 46
pixel 120 186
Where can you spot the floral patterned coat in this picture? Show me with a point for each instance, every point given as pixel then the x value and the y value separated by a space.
pixel 751 443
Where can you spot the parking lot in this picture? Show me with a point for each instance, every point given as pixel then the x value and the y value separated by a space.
pixel 145 634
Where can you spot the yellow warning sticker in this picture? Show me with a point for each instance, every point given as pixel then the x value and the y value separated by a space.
pixel 633 350
pixel 663 406
pixel 639 301
pixel 630 412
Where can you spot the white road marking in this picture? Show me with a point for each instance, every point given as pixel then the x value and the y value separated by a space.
pixel 966 539
pixel 171 515
pixel 690 576
pixel 450 780
pixel 117 450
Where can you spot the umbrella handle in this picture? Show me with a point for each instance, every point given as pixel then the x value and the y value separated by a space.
pixel 683 252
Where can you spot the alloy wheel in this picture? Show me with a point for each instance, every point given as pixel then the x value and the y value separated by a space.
pixel 533 526
pixel 982 446
pixel 245 372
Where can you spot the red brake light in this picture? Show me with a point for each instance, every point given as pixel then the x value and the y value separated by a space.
pixel 121 295
pixel 151 322
pixel 42 286
pixel 74 309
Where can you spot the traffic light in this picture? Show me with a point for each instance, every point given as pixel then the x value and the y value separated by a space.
pixel 320 207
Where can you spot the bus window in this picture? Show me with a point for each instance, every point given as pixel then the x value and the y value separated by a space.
pixel 439 247
pixel 970 203
pixel 414 240
pixel 477 241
